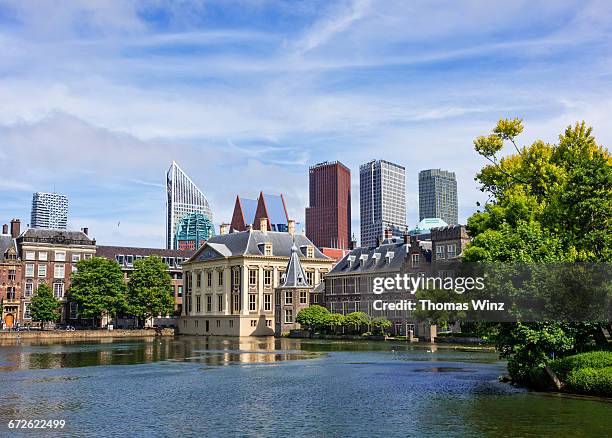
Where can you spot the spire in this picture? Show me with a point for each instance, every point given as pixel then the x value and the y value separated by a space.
pixel 295 275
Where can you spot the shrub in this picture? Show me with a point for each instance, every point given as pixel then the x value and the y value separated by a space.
pixel 595 360
pixel 591 381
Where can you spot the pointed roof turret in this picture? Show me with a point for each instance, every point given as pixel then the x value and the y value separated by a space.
pixel 295 275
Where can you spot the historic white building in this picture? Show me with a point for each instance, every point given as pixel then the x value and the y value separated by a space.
pixel 229 283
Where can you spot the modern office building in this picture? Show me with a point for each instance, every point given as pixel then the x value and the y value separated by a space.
pixel 382 187
pixel 249 213
pixel 438 196
pixel 183 198
pixel 193 230
pixel 49 210
pixel 328 216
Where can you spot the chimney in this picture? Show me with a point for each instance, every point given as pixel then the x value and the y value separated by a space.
pixel 249 228
pixel 388 233
pixel 224 228
pixel 15 228
pixel 406 238
pixel 5 229
pixel 291 226
pixel 263 225
pixel 353 243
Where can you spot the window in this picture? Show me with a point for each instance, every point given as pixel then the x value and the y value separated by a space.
pixel 451 250
pixel 253 323
pixel 189 304
pixel 119 259
pixel 199 280
pixel 220 303
pixel 252 302
pixel 12 275
pixel 42 270
pixel 60 256
pixel 58 271
pixel 415 260
pixel 236 303
pixel 288 316
pixel 30 255
pixel 310 252
pixel 180 291
pixel 10 293
pixel 218 323
pixel 198 304
pixel 220 278
pixel 252 278
pixel 439 252
pixel 236 278
pixel 315 298
pixel 129 260
pixel 267 278
pixel 310 277
pixel 268 323
pixel 303 297
pixel 209 303
pixel 267 302
pixel 231 323
pixel 171 262
pixel 268 249
pixel 29 270
pixel 76 258
pixel 87 256
pixel 209 279
pixel 288 297
pixel 29 289
pixel 73 310
pixel 26 311
pixel 42 256
pixel 58 290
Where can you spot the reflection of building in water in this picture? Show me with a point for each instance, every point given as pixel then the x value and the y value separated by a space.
pixel 230 281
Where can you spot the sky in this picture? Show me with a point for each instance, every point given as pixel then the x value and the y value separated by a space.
pixel 97 98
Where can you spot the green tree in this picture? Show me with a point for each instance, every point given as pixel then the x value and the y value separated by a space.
pixel 357 320
pixel 44 307
pixel 547 203
pixel 98 287
pixel 381 325
pixel 150 291
pixel 312 318
pixel 333 322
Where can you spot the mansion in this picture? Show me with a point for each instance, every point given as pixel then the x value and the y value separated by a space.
pixel 230 282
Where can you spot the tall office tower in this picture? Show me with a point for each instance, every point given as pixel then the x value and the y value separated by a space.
pixel 438 196
pixel 382 186
pixel 328 217
pixel 49 210
pixel 184 198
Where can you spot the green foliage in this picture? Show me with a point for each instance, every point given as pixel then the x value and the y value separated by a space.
pixel 591 381
pixel 150 291
pixel 98 287
pixel 381 325
pixel 44 306
pixel 334 321
pixel 594 359
pixel 439 317
pixel 356 320
pixel 313 317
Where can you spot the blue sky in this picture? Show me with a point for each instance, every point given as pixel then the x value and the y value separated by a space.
pixel 97 98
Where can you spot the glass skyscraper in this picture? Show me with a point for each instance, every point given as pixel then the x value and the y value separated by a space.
pixel 382 188
pixel 49 210
pixel 438 196
pixel 184 198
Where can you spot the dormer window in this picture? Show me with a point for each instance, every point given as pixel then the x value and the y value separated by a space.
pixel 310 252
pixel 351 260
pixel 376 257
pixel 363 258
pixel 268 249
pixel 389 256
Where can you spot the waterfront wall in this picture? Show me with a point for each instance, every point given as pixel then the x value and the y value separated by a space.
pixel 83 334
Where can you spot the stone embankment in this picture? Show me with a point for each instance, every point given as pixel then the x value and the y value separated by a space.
pixel 85 334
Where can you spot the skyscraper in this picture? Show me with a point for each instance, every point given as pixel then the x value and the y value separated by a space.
pixel 328 216
pixel 184 198
pixel 382 186
pixel 49 210
pixel 438 196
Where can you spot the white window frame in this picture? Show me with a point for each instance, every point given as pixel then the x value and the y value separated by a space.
pixel 42 271
pixel 252 302
pixel 60 287
pixel 29 270
pixel 288 316
pixel 60 256
pixel 59 270
pixel 30 255
pixel 42 256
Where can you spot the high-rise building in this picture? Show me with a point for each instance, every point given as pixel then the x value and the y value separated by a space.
pixel 382 187
pixel 49 210
pixel 328 216
pixel 438 196
pixel 184 198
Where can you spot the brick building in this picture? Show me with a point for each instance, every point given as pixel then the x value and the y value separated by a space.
pixel 13 307
pixel 328 216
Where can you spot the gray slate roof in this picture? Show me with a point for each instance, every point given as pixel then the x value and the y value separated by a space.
pixel 294 275
pixel 252 243
pixel 6 241
pixel 48 235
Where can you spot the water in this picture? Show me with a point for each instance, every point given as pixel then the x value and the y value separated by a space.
pixel 196 386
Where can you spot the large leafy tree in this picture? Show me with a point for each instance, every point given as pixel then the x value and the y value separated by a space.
pixel 547 203
pixel 150 289
pixel 44 307
pixel 313 317
pixel 98 287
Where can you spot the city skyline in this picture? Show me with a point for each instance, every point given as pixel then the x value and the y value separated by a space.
pixel 99 99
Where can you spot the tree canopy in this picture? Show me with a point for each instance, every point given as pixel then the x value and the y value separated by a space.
pixel 313 317
pixel 44 306
pixel 150 291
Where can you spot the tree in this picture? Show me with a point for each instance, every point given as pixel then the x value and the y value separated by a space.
pixel 312 318
pixel 44 307
pixel 547 203
pixel 381 324
pixel 98 287
pixel 334 321
pixel 150 291
pixel 356 320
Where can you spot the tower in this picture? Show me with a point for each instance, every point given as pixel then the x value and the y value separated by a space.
pixel 438 195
